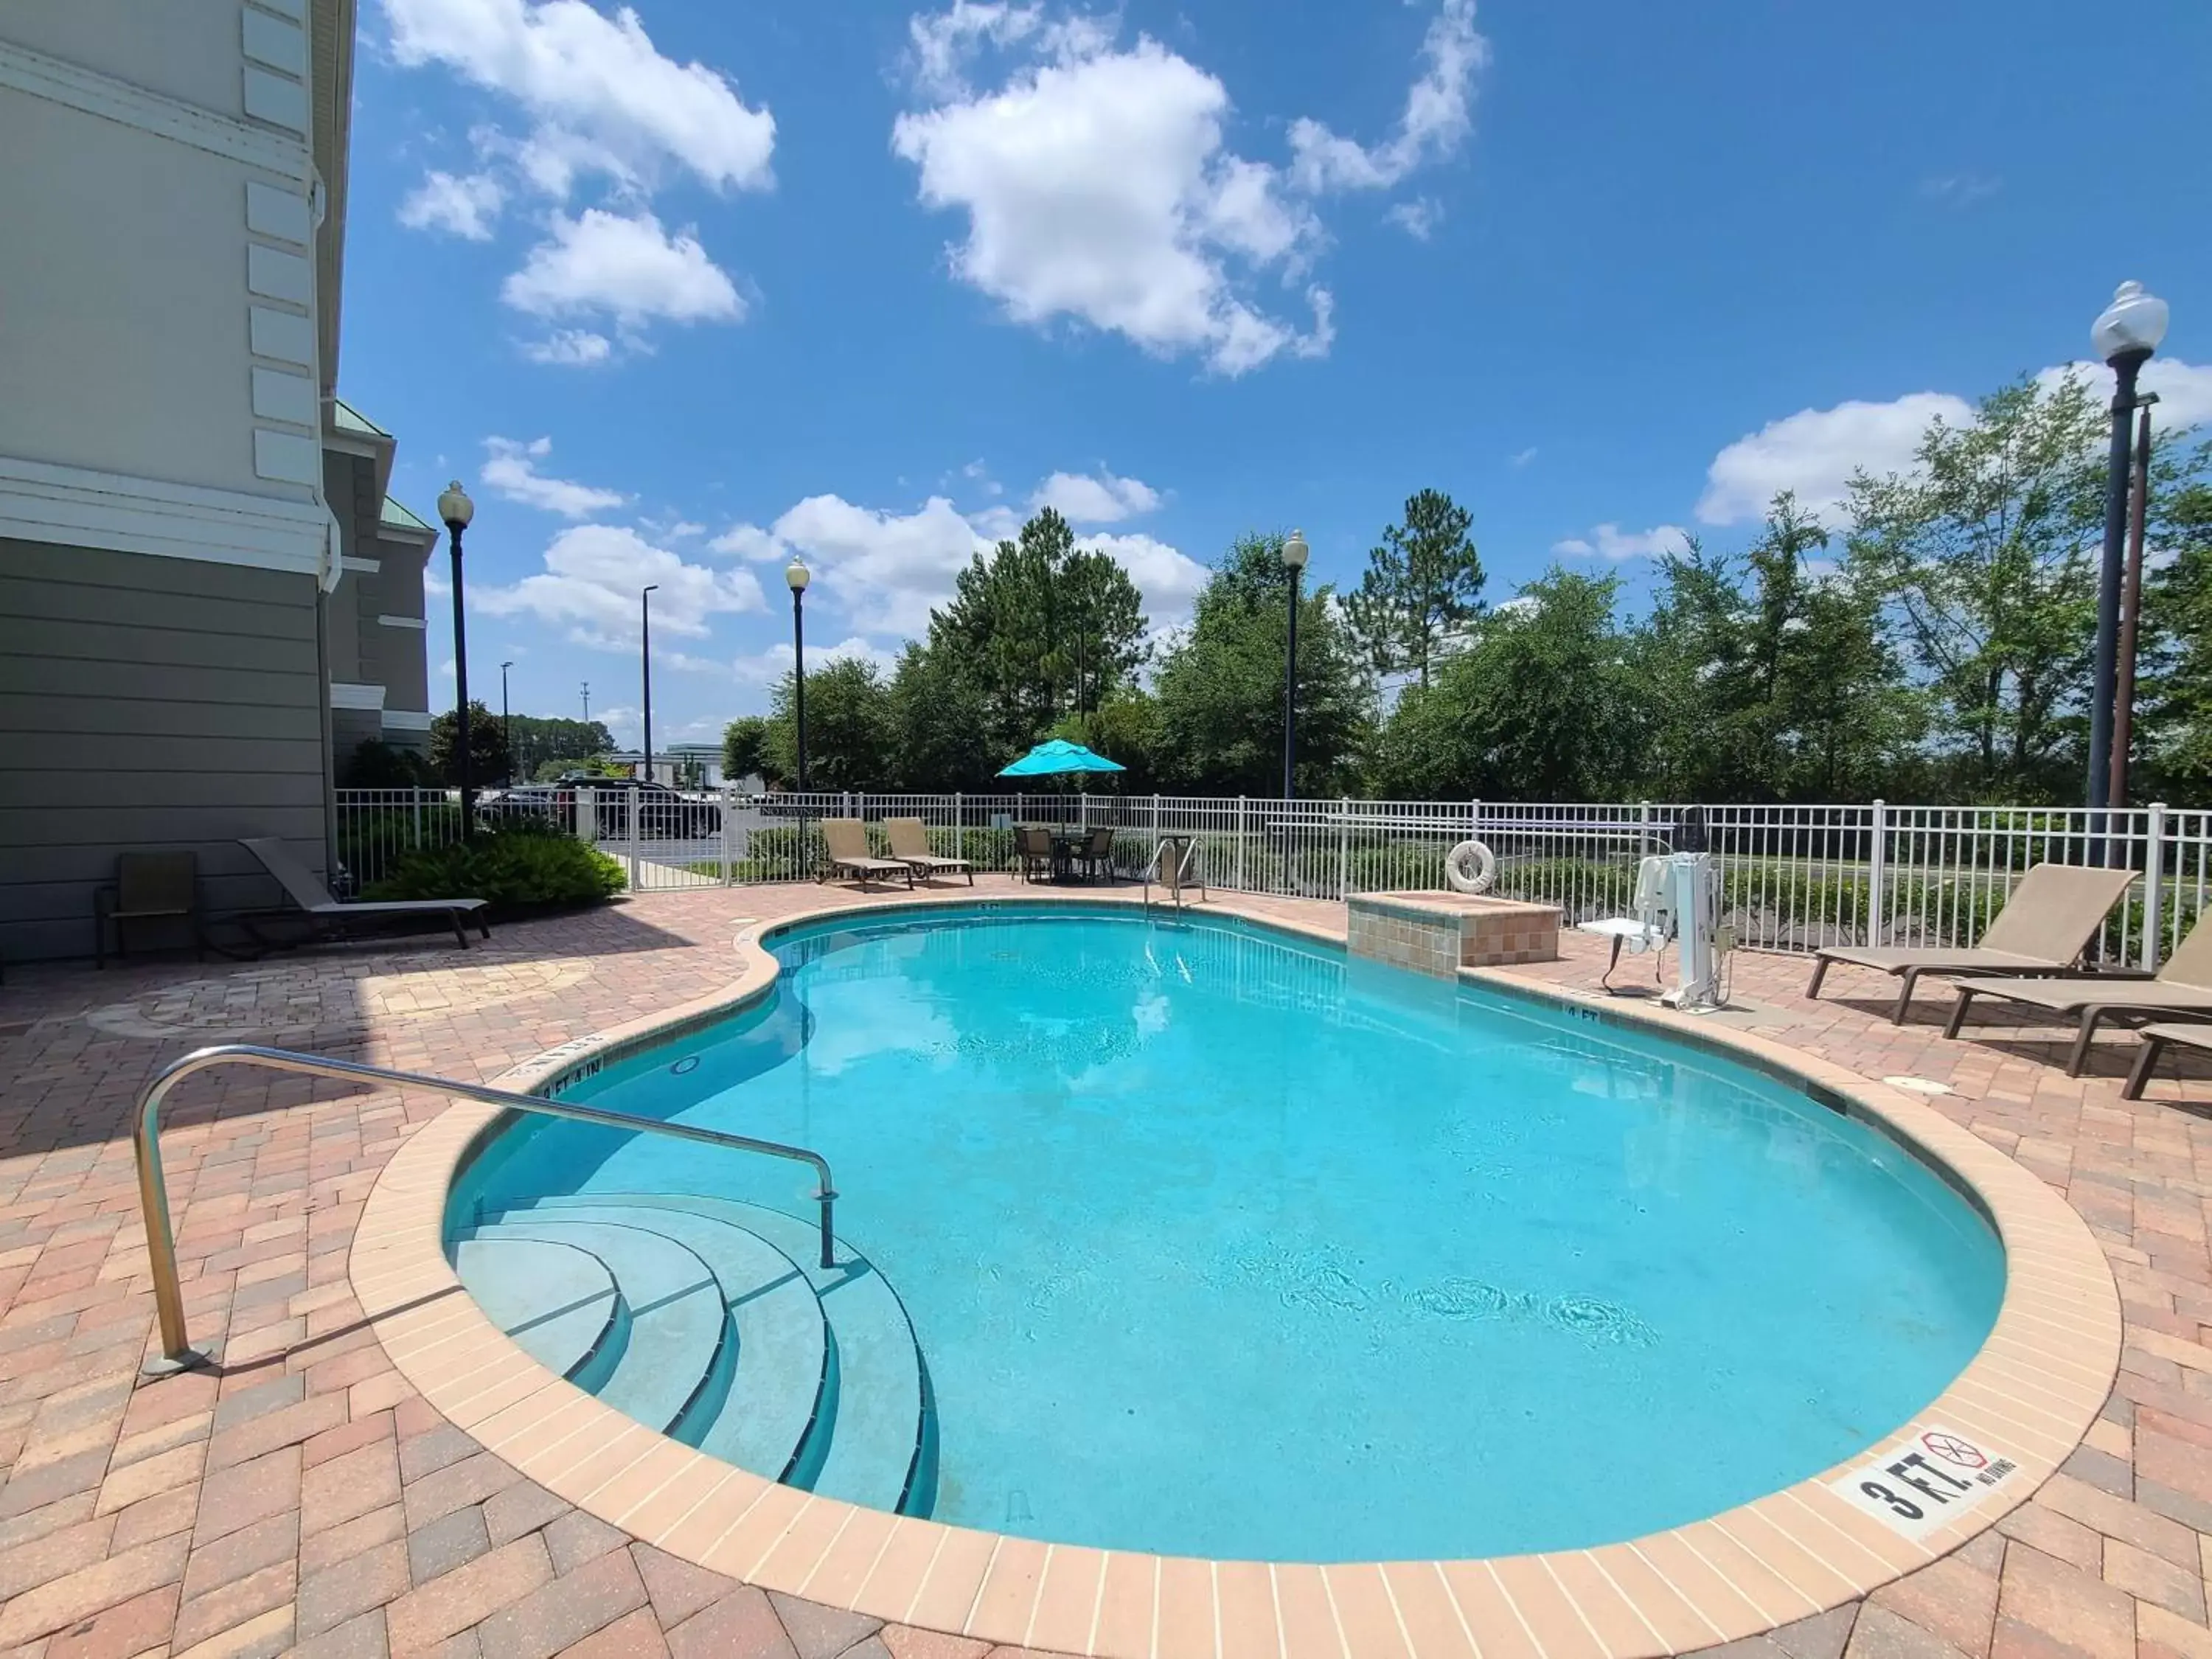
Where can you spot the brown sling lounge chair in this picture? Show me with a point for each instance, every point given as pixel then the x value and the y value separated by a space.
pixel 849 854
pixel 2183 988
pixel 2155 1041
pixel 2042 928
pixel 910 847
pixel 312 897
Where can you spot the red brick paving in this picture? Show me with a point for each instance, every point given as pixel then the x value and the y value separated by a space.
pixel 305 1499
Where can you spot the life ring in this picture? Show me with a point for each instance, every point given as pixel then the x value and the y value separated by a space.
pixel 1470 867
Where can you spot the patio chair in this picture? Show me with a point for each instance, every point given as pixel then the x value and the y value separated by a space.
pixel 1033 846
pixel 148 886
pixel 2182 988
pixel 2156 1039
pixel 910 847
pixel 300 886
pixel 1098 853
pixel 848 842
pixel 2043 927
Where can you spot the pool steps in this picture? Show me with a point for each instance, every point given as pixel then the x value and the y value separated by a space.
pixel 809 1376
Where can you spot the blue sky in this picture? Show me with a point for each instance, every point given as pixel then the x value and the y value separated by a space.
pixel 680 290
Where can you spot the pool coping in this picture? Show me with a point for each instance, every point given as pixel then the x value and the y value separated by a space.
pixel 2031 1392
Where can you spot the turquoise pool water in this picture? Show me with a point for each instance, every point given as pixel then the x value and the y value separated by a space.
pixel 1221 1244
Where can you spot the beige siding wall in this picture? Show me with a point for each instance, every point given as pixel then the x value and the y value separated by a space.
pixel 148 703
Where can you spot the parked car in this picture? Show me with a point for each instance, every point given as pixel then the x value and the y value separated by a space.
pixel 662 813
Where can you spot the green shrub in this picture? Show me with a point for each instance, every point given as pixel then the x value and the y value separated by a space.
pixel 518 866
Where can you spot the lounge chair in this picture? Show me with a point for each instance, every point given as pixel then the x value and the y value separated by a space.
pixel 148 886
pixel 2043 927
pixel 910 847
pixel 311 895
pixel 1098 853
pixel 2183 988
pixel 1033 846
pixel 2155 1041
pixel 848 852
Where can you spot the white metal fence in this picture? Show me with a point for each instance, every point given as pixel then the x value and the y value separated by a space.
pixel 1794 877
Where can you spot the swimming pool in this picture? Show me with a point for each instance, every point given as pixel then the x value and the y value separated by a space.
pixel 1217 1242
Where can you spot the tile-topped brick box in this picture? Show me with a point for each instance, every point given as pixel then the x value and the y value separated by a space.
pixel 1442 932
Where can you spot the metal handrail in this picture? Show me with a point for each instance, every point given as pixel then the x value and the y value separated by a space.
pixel 154 1193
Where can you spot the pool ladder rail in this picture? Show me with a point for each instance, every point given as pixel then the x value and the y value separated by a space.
pixel 177 1353
pixel 1174 863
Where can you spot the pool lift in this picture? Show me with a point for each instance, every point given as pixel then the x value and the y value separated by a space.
pixel 1678 902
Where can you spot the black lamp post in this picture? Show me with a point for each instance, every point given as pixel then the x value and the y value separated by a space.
pixel 455 507
pixel 506 721
pixel 645 656
pixel 2125 335
pixel 1294 561
pixel 796 573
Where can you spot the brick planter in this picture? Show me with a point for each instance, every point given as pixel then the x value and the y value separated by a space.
pixel 1441 933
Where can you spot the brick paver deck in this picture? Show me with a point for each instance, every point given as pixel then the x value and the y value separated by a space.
pixel 304 1498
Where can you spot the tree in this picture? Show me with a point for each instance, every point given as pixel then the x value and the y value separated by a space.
pixel 1423 584
pixel 1041 628
pixel 940 722
pixel 1986 555
pixel 538 740
pixel 849 728
pixel 745 748
pixel 486 746
pixel 2174 730
pixel 1539 706
pixel 1786 690
pixel 1218 713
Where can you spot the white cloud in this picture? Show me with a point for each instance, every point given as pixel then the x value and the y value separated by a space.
pixel 591 582
pixel 1520 457
pixel 1610 541
pixel 2185 390
pixel 1417 218
pixel 1098 187
pixel 884 571
pixel 1815 452
pixel 602 97
pixel 628 268
pixel 460 205
pixel 1081 498
pixel 512 470
pixel 1169 578
pixel 570 348
pixel 1433 123
pixel 765 667
pixel 943 42
pixel 1960 190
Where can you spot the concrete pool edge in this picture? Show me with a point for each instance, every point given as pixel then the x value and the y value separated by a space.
pixel 2031 1392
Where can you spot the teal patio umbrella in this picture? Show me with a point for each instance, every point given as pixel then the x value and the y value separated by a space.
pixel 1058 758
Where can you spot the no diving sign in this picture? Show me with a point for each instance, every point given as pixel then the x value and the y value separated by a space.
pixel 1925 1479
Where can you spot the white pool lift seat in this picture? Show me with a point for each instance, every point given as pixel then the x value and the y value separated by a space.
pixel 1648 929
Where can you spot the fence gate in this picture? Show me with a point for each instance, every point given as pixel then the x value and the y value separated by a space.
pixel 663 842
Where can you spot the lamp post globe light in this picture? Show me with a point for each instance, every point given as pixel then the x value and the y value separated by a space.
pixel 796 574
pixel 2124 335
pixel 645 660
pixel 1294 561
pixel 455 507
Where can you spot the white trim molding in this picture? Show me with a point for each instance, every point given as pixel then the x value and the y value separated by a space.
pixel 404 622
pixel 80 88
pixel 406 720
pixel 366 567
pixel 71 507
pixel 345 694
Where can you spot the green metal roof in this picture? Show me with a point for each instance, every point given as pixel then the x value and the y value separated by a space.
pixel 347 418
pixel 399 516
